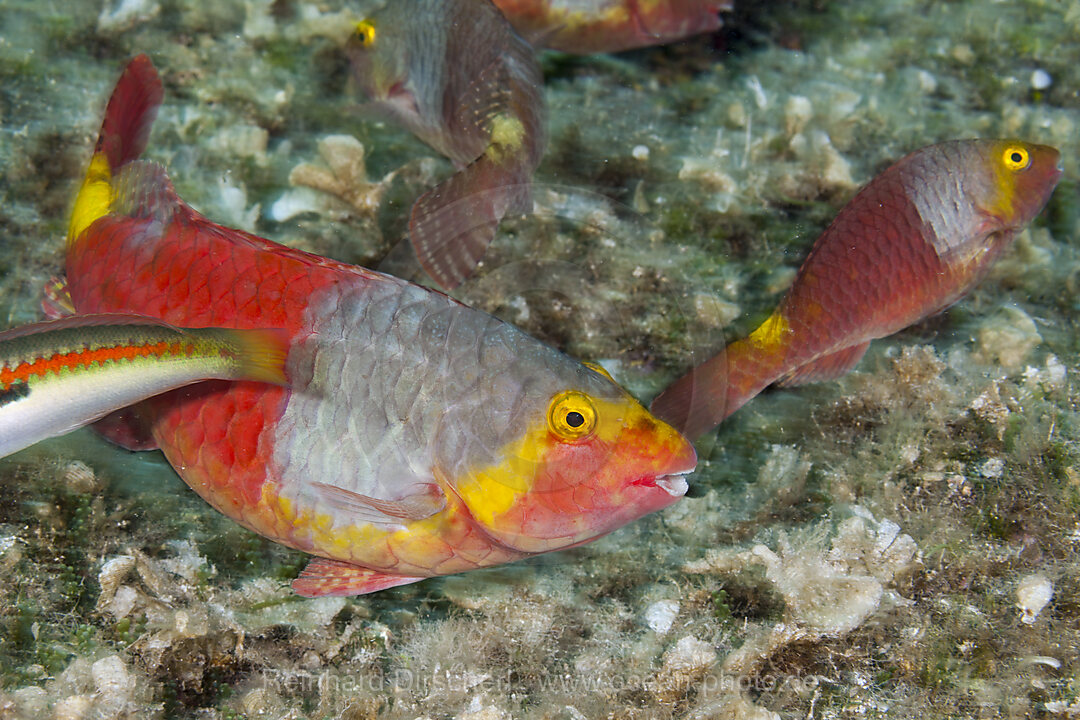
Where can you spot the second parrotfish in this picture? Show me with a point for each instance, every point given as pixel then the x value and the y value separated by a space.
pixel 456 74
pixel 911 243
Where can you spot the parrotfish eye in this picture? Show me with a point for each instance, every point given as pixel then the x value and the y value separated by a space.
pixel 599 369
pixel 1016 158
pixel 571 415
pixel 365 33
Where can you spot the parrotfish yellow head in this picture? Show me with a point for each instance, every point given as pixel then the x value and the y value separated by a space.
pixel 1025 175
pixel 579 458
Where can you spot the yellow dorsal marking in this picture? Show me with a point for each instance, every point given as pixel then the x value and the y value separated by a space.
pixel 94 200
pixel 772 334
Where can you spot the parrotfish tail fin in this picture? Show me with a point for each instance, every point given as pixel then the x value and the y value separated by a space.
pixel 124 133
pixel 262 353
pixel 697 401
pixel 704 397
pixel 826 367
pixel 130 113
pixel 452 225
pixel 324 577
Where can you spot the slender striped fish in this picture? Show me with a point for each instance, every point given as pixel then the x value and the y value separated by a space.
pixel 60 375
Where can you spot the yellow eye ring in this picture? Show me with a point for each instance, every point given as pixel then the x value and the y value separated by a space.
pixel 1016 158
pixel 365 33
pixel 571 416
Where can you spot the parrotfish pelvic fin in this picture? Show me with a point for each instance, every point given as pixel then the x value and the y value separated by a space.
pixel 323 577
pixel 826 367
pixel 124 133
pixel 127 429
pixel 452 225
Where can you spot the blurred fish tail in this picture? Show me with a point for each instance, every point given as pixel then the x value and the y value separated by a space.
pixel 125 131
pixel 261 354
pixel 712 391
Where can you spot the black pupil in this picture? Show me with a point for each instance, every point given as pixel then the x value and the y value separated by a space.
pixel 1017 158
pixel 575 419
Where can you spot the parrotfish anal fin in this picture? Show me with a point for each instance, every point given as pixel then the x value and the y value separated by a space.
pixel 323 577
pixel 452 225
pixel 56 300
pixel 127 429
pixel 425 502
pixel 826 367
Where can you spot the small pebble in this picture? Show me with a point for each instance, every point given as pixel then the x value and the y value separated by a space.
pixel 1033 594
pixel 1040 79
pixel 640 152
pixel 660 615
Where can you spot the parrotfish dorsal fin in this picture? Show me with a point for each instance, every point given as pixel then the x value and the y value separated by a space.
pixel 124 133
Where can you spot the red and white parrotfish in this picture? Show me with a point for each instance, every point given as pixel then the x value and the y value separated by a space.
pixel 61 375
pixel 417 436
pixel 456 74
pixel 592 26
pixel 909 244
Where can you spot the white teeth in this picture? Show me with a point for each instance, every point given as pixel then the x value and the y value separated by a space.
pixel 674 485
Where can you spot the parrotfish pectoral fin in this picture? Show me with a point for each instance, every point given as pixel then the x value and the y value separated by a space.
pixel 826 367
pixel 323 577
pixel 427 500
pixel 124 133
pixel 452 225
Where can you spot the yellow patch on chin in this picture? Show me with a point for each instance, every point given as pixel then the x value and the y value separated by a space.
pixel 94 199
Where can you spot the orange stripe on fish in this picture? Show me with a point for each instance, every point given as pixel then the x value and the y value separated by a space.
pixel 80 359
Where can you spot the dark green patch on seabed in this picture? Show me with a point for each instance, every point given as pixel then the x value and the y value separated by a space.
pixel 857 549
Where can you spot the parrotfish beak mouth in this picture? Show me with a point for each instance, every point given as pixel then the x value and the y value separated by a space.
pixel 674 484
